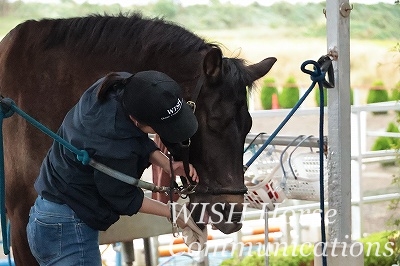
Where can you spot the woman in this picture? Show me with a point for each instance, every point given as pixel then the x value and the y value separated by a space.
pixel 111 122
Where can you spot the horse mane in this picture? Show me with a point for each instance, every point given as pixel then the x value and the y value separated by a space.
pixel 113 34
pixel 97 34
pixel 236 70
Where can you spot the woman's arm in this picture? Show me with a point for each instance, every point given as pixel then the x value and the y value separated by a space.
pixel 194 237
pixel 160 159
pixel 155 207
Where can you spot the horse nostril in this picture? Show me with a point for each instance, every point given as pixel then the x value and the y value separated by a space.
pixel 236 217
pixel 232 216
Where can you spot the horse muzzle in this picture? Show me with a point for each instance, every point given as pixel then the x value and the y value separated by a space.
pixel 223 212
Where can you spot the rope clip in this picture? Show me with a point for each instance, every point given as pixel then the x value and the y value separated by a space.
pixel 325 63
pixel 175 229
pixel 185 191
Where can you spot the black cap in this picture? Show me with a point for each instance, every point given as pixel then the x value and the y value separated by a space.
pixel 153 98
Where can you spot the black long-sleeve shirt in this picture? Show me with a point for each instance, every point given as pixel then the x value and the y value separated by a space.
pixel 107 134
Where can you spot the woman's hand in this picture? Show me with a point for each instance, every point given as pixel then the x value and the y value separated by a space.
pixel 160 159
pixel 179 170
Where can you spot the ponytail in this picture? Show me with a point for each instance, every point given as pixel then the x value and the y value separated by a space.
pixel 112 81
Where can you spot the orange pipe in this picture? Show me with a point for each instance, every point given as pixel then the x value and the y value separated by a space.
pixel 256 231
pixel 178 244
pixel 165 251
pixel 261 230
pixel 179 240
pixel 254 239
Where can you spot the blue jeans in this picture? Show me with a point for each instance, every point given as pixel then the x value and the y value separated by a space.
pixel 57 236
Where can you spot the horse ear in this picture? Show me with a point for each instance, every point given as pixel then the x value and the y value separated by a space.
pixel 212 64
pixel 262 68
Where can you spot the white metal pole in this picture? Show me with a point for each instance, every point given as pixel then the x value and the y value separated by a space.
pixel 339 144
pixel 266 237
pixel 356 172
pixel 339 129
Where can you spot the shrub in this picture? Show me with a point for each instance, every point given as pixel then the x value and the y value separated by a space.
pixel 378 94
pixel 394 237
pixel 268 89
pixel 290 94
pixel 396 92
pixel 351 96
pixel 378 251
pixel 289 256
pixel 284 256
pixel 394 220
pixel 387 143
pixel 253 260
pixel 317 96
pixel 381 143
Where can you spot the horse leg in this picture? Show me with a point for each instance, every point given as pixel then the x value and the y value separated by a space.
pixel 19 217
pixel 21 251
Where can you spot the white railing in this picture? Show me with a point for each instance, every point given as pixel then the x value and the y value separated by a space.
pixel 359 157
pixel 290 215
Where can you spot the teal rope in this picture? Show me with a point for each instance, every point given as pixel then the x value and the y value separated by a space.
pixel 7 109
pixel 276 131
pixel 6 246
pixel 81 155
pixel 318 76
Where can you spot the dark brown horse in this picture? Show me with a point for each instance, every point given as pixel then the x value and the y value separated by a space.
pixel 46 65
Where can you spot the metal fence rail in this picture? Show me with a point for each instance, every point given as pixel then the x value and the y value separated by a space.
pixel 359 157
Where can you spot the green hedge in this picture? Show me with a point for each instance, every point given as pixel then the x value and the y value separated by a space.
pixel 377 94
pixel 290 94
pixel 387 143
pixel 396 92
pixel 267 90
pixel 377 252
pixel 317 96
pixel 290 256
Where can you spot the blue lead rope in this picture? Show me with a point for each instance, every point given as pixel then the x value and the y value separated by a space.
pixel 3 218
pixel 318 77
pixel 81 155
pixel 7 109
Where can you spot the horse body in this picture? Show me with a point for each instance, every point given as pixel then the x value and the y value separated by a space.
pixel 46 65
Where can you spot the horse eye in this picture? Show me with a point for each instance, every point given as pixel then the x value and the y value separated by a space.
pixel 219 124
pixel 220 118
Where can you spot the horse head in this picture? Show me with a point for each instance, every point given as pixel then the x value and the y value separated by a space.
pixel 216 150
